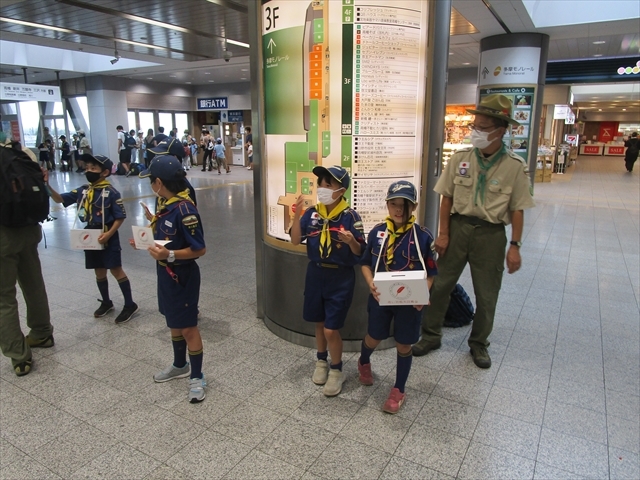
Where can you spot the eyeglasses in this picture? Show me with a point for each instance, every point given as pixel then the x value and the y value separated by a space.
pixel 478 128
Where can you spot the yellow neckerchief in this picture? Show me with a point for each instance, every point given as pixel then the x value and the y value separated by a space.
pixel 325 236
pixel 87 201
pixel 163 203
pixel 395 233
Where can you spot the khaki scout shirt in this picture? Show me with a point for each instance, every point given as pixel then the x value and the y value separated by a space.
pixel 508 187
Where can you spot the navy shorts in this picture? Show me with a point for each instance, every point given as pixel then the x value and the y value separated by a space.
pixel 327 295
pixel 406 322
pixel 109 257
pixel 178 300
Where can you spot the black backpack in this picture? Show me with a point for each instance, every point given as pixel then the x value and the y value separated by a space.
pixel 461 311
pixel 23 195
pixel 129 141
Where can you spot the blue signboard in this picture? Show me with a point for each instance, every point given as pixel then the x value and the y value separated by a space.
pixel 213 103
pixel 234 116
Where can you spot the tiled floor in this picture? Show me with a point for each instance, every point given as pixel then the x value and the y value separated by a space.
pixel 562 399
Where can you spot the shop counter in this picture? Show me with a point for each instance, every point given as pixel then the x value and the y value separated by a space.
pixel 614 150
pixel 586 149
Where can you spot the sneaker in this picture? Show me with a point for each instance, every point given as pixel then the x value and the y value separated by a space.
pixel 128 173
pixel 126 313
pixel 172 372
pixel 196 389
pixel 23 368
pixel 481 356
pixel 394 402
pixel 334 383
pixel 423 347
pixel 105 307
pixel 364 372
pixel 46 343
pixel 321 372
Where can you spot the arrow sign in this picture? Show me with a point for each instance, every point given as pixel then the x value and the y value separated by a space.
pixel 485 71
pixel 271 44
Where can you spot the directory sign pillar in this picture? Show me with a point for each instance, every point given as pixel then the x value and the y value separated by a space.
pixel 343 83
pixel 515 65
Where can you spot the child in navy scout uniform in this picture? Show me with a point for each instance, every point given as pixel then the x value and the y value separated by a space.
pixel 398 238
pixel 101 207
pixel 177 220
pixel 335 238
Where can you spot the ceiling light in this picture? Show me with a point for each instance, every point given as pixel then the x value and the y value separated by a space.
pixel 207 73
pixel 244 70
pixel 598 55
pixel 172 76
pixel 450 53
pixel 599 109
pixel 189 83
pixel 599 42
pixel 149 78
pixel 624 109
pixel 36 25
pixel 466 63
pixel 210 81
pixel 240 44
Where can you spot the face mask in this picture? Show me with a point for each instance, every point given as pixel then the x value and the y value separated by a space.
pixel 325 195
pixel 480 139
pixel 92 177
pixel 156 193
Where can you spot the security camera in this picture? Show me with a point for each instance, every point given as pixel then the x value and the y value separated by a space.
pixel 114 61
pixel 227 55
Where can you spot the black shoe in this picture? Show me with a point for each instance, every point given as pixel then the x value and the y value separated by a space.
pixel 23 368
pixel 423 347
pixel 126 313
pixel 105 307
pixel 127 174
pixel 45 343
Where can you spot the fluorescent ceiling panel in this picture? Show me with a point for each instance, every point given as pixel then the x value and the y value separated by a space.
pixel 555 13
pixel 37 56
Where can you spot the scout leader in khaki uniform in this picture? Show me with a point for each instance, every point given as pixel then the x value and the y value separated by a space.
pixel 483 189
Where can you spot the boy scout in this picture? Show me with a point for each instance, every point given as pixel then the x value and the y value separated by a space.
pixel 483 189
pixel 100 206
pixel 334 235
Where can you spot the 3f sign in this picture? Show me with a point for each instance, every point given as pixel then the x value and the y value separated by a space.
pixel 272 15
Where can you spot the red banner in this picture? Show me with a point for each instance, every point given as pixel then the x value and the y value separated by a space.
pixel 608 130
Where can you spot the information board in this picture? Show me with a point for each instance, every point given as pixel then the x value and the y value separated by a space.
pixel 344 84
pixel 518 138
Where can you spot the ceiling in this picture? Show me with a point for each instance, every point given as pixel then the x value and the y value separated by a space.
pixel 187 38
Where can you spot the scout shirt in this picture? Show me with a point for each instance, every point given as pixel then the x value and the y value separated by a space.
pixel 508 187
pixel 180 223
pixel 311 227
pixel 405 256
pixel 113 206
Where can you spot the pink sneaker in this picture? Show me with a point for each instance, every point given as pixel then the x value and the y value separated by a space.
pixel 394 402
pixel 364 371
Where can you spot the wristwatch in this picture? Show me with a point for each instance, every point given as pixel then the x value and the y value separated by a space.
pixel 172 256
pixel 515 244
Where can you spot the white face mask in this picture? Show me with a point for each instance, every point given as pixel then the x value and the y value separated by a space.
pixel 480 139
pixel 156 193
pixel 325 195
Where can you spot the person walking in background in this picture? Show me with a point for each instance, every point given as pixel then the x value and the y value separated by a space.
pixel 483 189
pixel 221 156
pixel 124 153
pixel 633 148
pixel 21 264
pixel 148 145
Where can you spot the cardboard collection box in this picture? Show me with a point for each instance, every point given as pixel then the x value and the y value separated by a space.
pixel 402 288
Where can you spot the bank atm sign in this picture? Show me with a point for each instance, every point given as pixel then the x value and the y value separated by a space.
pixel 213 103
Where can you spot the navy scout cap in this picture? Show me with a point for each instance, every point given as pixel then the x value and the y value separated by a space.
pixel 339 173
pixel 163 167
pixel 101 160
pixel 402 189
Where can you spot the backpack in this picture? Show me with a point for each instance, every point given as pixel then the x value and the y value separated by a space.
pixel 135 168
pixel 23 194
pixel 129 141
pixel 461 311
pixel 210 145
